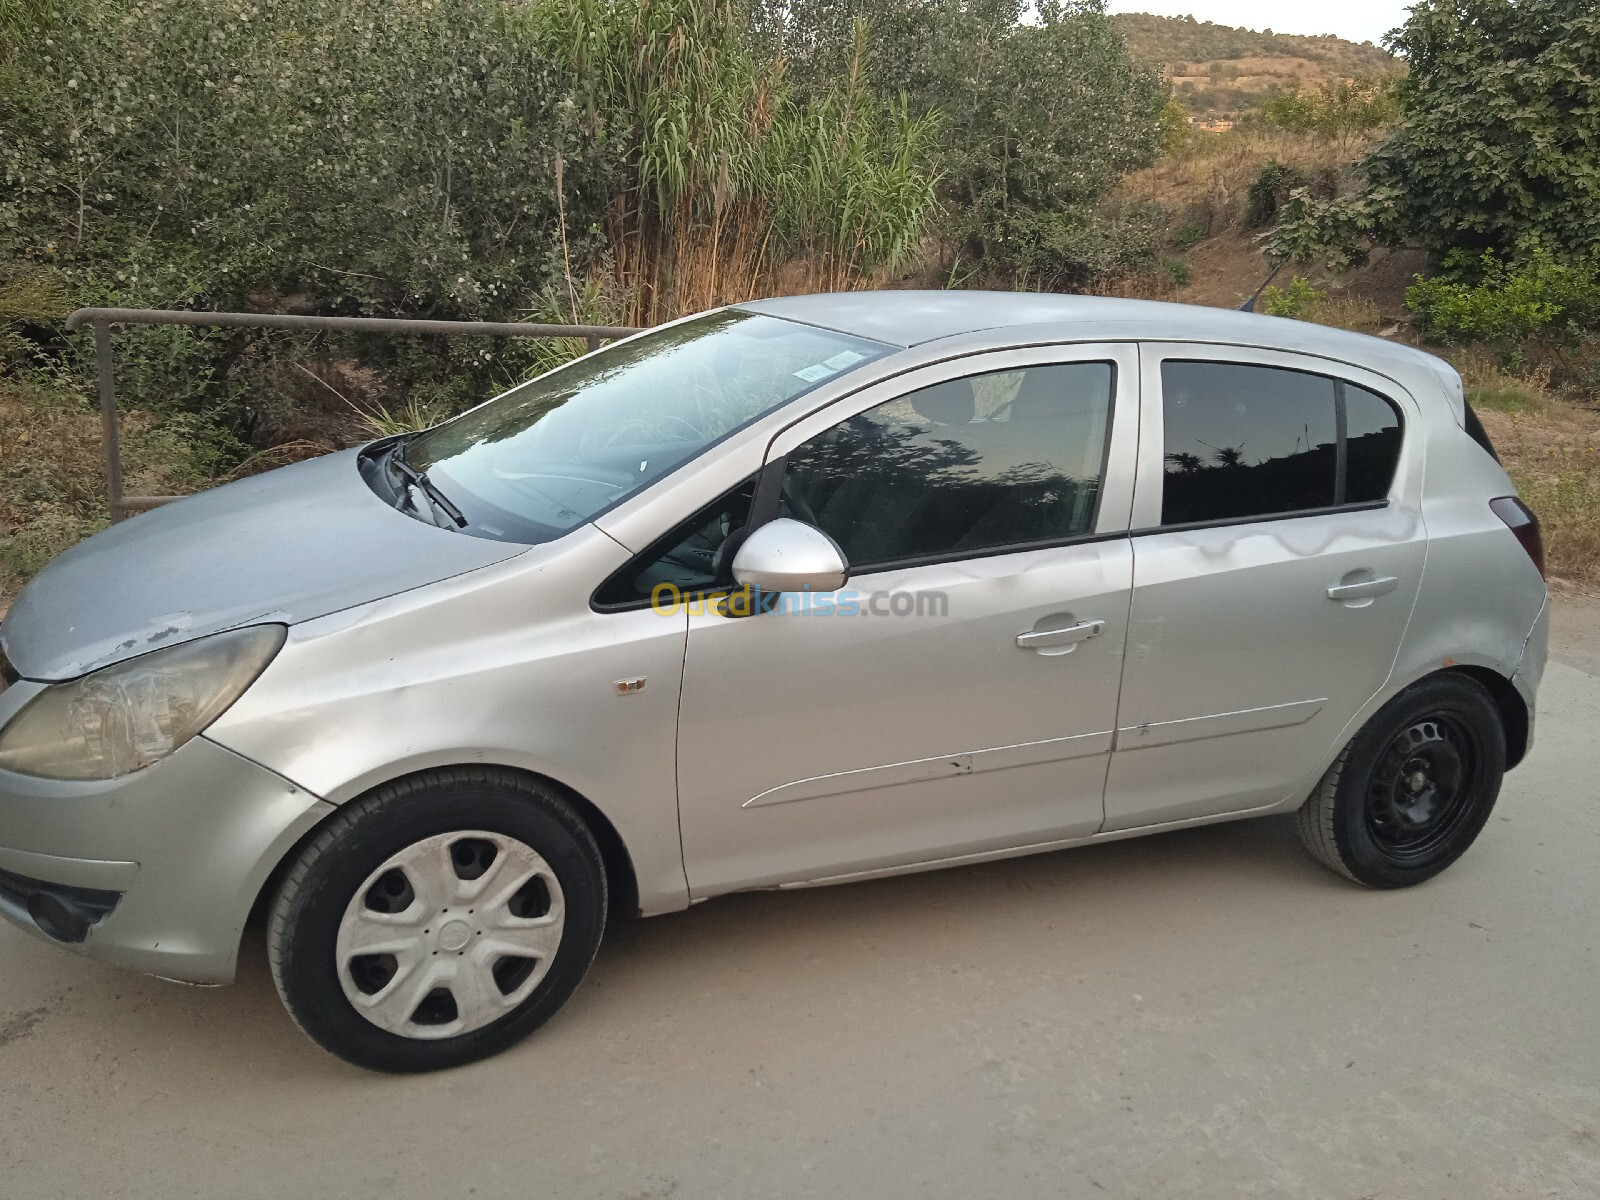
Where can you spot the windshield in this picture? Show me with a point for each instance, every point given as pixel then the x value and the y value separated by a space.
pixel 555 452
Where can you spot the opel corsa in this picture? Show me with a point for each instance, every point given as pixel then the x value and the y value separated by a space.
pixel 796 592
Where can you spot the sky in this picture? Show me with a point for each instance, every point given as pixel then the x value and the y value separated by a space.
pixel 1357 20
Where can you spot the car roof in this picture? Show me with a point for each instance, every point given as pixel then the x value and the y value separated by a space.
pixel 914 318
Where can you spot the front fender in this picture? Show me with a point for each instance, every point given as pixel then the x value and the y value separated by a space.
pixel 510 667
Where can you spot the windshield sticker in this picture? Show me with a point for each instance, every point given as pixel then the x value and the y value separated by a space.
pixel 829 366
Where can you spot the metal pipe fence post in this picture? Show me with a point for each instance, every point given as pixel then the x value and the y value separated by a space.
pixel 111 427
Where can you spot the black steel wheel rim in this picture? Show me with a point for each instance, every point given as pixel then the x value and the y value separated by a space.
pixel 1422 787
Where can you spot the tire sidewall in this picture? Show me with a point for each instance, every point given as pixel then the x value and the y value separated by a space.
pixel 1468 703
pixel 308 971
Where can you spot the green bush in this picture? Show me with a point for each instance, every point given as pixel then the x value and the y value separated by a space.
pixel 337 156
pixel 1083 250
pixel 1270 189
pixel 1336 109
pixel 1189 234
pixel 456 159
pixel 1337 229
pixel 1488 299
pixel 1496 146
pixel 1296 301
pixel 1177 134
pixel 1042 120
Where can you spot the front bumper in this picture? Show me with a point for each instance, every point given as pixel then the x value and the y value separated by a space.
pixel 179 852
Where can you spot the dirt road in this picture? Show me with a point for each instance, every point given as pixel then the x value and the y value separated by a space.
pixel 1202 1014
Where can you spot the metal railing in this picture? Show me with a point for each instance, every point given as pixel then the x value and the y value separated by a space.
pixel 102 319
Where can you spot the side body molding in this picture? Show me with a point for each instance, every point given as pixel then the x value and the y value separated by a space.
pixel 997 759
pixel 1193 729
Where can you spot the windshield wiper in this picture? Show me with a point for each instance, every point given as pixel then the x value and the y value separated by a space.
pixel 420 481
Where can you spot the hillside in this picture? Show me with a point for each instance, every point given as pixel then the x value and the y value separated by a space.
pixel 1218 71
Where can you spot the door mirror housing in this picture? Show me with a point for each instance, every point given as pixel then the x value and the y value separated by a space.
pixel 786 555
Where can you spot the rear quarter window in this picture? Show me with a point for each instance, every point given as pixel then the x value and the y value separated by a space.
pixel 1372 444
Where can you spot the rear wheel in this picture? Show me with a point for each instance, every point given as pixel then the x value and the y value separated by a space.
pixel 1413 788
pixel 438 920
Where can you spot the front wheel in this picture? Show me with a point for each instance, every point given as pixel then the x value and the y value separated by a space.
pixel 1413 788
pixel 438 920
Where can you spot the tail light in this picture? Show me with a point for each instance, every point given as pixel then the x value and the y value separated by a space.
pixel 1520 519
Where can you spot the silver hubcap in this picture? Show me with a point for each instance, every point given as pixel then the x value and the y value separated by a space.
pixel 450 934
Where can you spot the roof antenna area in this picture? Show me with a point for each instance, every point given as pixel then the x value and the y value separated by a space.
pixel 1249 305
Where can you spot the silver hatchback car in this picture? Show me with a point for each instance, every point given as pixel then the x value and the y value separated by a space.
pixel 796 592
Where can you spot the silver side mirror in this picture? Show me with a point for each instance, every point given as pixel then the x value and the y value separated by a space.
pixel 785 555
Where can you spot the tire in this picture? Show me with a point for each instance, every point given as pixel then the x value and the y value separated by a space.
pixel 360 958
pixel 1413 788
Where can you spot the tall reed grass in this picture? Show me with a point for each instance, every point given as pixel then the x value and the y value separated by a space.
pixel 725 177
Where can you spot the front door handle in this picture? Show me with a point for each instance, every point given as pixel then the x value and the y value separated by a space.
pixel 1366 589
pixel 1060 637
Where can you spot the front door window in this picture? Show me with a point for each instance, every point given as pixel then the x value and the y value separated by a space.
pixel 967 467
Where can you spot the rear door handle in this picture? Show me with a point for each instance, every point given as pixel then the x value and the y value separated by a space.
pixel 1060 637
pixel 1364 589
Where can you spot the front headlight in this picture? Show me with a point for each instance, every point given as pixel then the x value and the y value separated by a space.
pixel 127 716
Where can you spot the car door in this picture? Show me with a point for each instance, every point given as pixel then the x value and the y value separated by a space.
pixel 959 695
pixel 1278 546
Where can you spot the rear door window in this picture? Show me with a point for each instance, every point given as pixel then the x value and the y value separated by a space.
pixel 1245 441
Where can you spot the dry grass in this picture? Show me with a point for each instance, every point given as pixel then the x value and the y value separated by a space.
pixel 52 489
pixel 52 475
pixel 1491 387
pixel 1551 448
pixel 1250 68
pixel 1355 313
pixel 1209 180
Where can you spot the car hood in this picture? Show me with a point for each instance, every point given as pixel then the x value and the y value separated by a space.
pixel 289 545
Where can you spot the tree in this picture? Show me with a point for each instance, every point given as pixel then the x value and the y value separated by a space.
pixel 1041 116
pixel 1339 108
pixel 1042 110
pixel 1499 144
